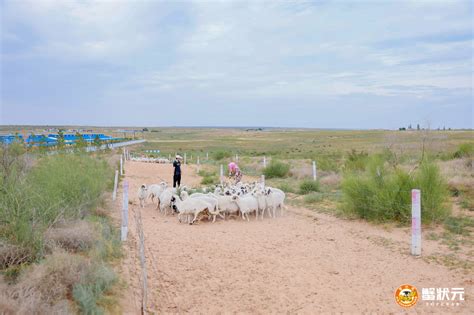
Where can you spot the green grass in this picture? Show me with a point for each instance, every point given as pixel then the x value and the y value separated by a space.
pixel 459 225
pixel 308 186
pixel 276 169
pixel 313 197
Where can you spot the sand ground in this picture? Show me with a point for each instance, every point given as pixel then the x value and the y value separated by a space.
pixel 304 262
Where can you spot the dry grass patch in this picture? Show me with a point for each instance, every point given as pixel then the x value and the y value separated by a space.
pixel 75 236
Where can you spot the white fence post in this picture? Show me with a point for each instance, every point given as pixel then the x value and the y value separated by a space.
pixel 198 164
pixel 236 157
pixel 184 158
pixel 124 230
pixel 207 156
pixel 314 170
pixel 114 195
pixel 263 180
pixel 121 165
pixel 416 222
pixel 222 174
pixel 264 161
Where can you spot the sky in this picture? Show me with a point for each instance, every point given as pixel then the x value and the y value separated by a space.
pixel 313 64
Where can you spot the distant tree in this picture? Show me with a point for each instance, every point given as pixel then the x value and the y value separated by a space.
pixel 402 128
pixel 417 126
pixel 409 126
pixel 444 128
pixel 80 142
pixel 145 129
pixel 61 141
pixel 97 142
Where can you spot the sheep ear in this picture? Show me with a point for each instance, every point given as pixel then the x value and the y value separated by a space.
pixel 269 191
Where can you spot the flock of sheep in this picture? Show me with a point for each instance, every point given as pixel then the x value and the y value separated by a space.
pixel 150 160
pixel 241 199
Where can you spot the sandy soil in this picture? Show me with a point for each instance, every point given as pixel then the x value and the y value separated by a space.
pixel 303 262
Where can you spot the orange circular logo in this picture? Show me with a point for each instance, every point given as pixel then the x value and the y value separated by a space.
pixel 406 295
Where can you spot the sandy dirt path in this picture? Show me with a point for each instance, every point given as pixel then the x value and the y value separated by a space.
pixel 303 262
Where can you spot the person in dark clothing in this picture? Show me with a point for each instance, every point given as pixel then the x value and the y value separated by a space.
pixel 177 171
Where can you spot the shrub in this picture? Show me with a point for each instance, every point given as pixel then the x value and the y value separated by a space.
pixel 307 186
pixel 276 170
pixel 209 180
pixel 326 163
pixel 58 187
pixel 286 187
pixel 75 236
pixel 356 161
pixel 380 194
pixel 221 154
pixel 464 150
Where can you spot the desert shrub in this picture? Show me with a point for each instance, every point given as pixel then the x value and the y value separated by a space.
pixel 75 236
pixel 286 187
pixel 382 194
pixel 58 187
pixel 90 290
pixel 356 161
pixel 276 169
pixel 464 150
pixel 326 163
pixel 221 154
pixel 307 186
pixel 313 197
pixel 209 180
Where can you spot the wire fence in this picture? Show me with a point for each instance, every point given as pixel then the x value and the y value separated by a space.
pixel 141 251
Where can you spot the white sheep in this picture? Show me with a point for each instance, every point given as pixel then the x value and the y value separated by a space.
pixel 155 190
pixel 247 204
pixel 212 200
pixel 165 200
pixel 142 194
pixel 192 206
pixel 275 198
pixel 227 205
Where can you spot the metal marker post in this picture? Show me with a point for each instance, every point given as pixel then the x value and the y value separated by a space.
pixel 264 161
pixel 121 165
pixel 314 170
pixel 222 174
pixel 263 180
pixel 114 195
pixel 124 229
pixel 416 222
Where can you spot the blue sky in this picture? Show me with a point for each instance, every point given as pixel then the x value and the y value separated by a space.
pixel 317 64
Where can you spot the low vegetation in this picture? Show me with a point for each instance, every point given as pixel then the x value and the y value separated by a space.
pixel 276 169
pixel 382 193
pixel 54 244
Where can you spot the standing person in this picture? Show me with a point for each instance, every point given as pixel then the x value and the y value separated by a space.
pixel 235 172
pixel 177 171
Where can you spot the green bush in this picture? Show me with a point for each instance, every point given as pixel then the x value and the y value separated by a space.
pixel 356 161
pixel 382 194
pixel 286 187
pixel 58 187
pixel 90 290
pixel 464 150
pixel 307 186
pixel 326 163
pixel 221 154
pixel 276 170
pixel 209 180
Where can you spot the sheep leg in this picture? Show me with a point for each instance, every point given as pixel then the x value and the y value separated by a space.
pixel 195 216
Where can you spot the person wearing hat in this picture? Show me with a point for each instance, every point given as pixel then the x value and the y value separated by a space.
pixel 177 171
